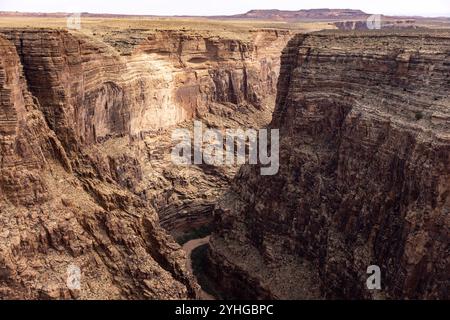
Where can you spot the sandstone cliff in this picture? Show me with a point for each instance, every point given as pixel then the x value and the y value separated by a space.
pixel 90 91
pixel 56 213
pixel 364 175
pixel 85 162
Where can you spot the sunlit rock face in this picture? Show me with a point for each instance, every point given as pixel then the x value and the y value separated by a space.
pixel 88 91
pixel 85 153
pixel 57 214
pixel 364 175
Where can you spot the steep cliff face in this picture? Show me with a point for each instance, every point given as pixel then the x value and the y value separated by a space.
pixel 364 175
pixel 385 23
pixel 85 141
pixel 56 214
pixel 229 83
pixel 89 91
pixel 98 93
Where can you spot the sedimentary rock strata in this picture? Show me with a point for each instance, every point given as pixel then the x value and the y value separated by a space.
pixel 56 213
pixel 92 91
pixel 85 163
pixel 87 181
pixel 364 175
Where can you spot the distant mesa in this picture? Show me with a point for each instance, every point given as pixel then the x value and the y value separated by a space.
pixel 342 19
pixel 313 14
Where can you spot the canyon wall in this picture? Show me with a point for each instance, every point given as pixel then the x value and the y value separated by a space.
pixel 364 175
pixel 57 215
pixel 85 164
pixel 90 91
pixel 116 92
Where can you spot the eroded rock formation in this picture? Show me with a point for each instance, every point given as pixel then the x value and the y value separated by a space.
pixel 364 175
pixel 56 212
pixel 85 153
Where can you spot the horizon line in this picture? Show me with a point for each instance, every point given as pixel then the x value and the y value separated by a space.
pixel 444 15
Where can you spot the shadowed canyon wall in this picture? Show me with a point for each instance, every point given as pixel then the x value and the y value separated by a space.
pixel 364 175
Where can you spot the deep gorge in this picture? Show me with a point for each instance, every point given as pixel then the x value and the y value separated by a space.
pixel 86 170
pixel 86 176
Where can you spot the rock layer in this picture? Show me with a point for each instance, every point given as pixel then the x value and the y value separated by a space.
pixel 364 175
pixel 57 215
pixel 98 93
pixel 85 164
pixel 89 91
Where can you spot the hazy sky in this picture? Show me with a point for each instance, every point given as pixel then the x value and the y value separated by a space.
pixel 225 7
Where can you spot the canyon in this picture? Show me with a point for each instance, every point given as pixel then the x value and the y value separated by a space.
pixel 86 176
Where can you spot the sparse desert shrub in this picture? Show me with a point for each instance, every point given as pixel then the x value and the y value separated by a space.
pixel 419 115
